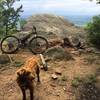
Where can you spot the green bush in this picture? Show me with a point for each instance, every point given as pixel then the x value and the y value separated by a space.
pixel 93 29
pixel 22 23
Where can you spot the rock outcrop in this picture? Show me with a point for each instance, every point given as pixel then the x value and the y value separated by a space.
pixel 58 53
pixel 52 26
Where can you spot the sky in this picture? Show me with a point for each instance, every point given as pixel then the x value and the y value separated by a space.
pixel 59 7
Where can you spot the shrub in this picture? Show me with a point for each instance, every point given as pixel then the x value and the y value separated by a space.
pixel 76 81
pixel 22 23
pixel 93 29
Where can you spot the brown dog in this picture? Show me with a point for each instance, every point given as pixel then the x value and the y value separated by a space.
pixel 26 75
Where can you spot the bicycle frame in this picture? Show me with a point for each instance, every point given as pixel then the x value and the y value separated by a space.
pixel 34 32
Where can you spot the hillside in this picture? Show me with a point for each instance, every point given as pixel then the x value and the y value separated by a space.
pixel 73 73
pixel 53 26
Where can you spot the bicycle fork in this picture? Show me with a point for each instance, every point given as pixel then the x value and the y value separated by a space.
pixel 44 63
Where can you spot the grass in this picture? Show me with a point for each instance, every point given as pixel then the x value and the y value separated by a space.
pixel 90 78
pixel 64 78
pixel 76 81
pixel 91 59
pixel 62 81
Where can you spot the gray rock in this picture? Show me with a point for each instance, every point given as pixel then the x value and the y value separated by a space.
pixel 90 50
pixel 58 53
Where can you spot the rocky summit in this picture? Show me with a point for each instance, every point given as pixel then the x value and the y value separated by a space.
pixel 52 26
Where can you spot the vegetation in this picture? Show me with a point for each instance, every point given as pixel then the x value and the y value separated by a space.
pixel 93 29
pixel 8 16
pixel 62 81
pixel 64 78
pixel 91 59
pixel 22 23
pixel 76 81
pixel 98 1
pixel 90 79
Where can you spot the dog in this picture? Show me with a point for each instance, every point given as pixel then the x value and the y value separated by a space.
pixel 26 75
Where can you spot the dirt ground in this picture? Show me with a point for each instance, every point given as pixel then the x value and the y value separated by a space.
pixel 48 89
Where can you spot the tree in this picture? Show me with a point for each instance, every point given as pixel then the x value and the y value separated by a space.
pixel 1 18
pixel 98 1
pixel 93 29
pixel 9 15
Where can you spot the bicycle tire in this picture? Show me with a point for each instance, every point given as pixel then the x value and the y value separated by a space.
pixel 14 50
pixel 34 50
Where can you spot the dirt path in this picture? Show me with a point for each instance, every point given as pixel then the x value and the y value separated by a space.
pixel 49 89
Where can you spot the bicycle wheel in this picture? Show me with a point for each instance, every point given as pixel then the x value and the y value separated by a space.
pixel 9 44
pixel 38 45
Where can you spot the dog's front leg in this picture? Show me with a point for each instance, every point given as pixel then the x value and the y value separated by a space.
pixel 38 72
pixel 31 93
pixel 24 94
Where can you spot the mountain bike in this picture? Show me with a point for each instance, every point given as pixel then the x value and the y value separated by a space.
pixel 36 44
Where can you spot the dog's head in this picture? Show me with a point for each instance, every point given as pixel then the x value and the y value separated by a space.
pixel 24 73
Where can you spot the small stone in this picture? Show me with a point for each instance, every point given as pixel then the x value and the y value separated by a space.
pixel 53 85
pixel 75 52
pixel 58 72
pixel 10 90
pixel 54 76
pixel 49 66
pixel 64 88
pixel 41 67
pixel 57 94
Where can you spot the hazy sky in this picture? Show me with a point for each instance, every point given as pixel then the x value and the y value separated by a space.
pixel 60 7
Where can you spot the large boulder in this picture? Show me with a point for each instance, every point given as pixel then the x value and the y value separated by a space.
pixel 4 59
pixel 52 26
pixel 58 53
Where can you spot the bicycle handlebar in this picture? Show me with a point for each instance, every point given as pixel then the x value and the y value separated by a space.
pixel 34 30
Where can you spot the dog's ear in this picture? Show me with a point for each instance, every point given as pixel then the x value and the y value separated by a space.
pixel 18 73
pixel 21 72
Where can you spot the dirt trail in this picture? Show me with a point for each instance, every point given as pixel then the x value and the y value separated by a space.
pixel 49 89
